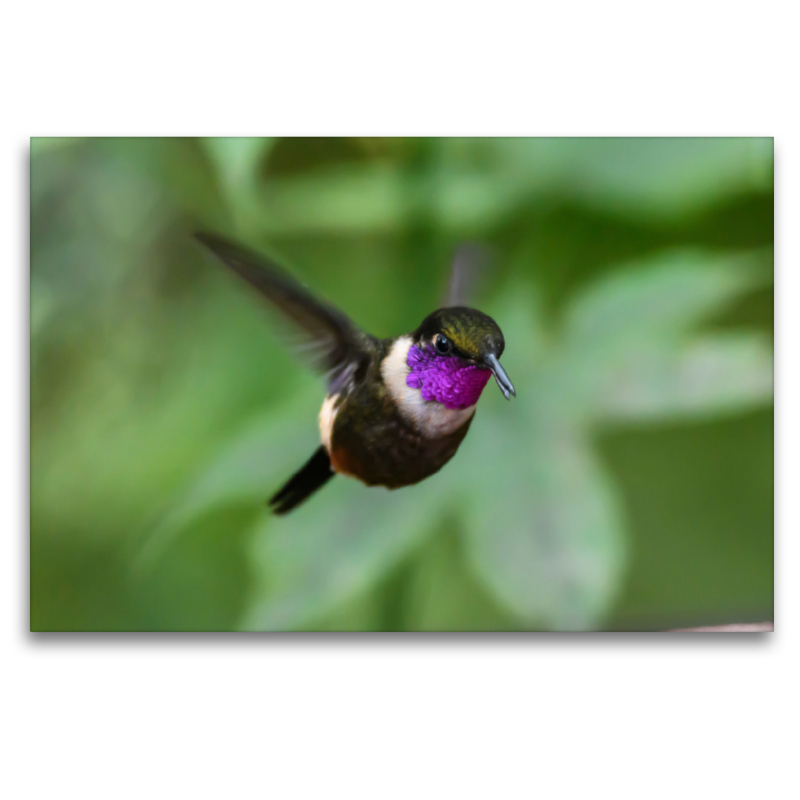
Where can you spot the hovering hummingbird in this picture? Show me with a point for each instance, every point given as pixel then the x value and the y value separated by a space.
pixel 396 409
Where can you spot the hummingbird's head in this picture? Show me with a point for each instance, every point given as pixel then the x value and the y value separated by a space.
pixel 452 355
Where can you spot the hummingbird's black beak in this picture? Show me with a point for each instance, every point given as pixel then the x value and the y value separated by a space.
pixel 506 387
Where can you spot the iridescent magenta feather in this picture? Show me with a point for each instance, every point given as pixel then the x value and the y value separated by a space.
pixel 446 380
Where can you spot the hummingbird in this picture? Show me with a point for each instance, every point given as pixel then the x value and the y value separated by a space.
pixel 396 409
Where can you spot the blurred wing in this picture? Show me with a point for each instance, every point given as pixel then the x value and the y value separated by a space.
pixel 331 341
pixel 470 261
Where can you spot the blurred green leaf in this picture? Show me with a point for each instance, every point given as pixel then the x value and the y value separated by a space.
pixel 544 524
pixel 712 375
pixel 246 471
pixel 629 352
pixel 183 169
pixel 437 589
pixel 635 177
pixel 641 176
pixel 43 144
pixel 237 160
pixel 545 532
pixel 658 298
pixel 552 561
pixel 330 550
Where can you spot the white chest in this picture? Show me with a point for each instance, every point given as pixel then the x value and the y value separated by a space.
pixel 327 416
pixel 432 419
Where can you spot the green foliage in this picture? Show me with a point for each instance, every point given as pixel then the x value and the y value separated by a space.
pixel 632 297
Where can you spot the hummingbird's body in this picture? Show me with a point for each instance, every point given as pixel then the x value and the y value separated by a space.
pixel 369 431
pixel 396 409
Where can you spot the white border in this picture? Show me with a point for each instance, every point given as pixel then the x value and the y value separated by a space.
pixel 477 716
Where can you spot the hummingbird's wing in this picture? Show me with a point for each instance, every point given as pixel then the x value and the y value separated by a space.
pixel 332 342
pixel 470 261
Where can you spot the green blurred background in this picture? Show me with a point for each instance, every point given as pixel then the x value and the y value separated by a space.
pixel 628 486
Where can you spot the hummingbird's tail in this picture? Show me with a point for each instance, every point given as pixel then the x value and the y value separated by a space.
pixel 315 474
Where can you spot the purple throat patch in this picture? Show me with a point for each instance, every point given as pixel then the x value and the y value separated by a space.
pixel 445 379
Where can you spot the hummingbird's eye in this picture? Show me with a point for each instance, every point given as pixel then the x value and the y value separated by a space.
pixel 442 345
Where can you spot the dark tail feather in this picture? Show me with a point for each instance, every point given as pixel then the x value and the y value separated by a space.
pixel 315 474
